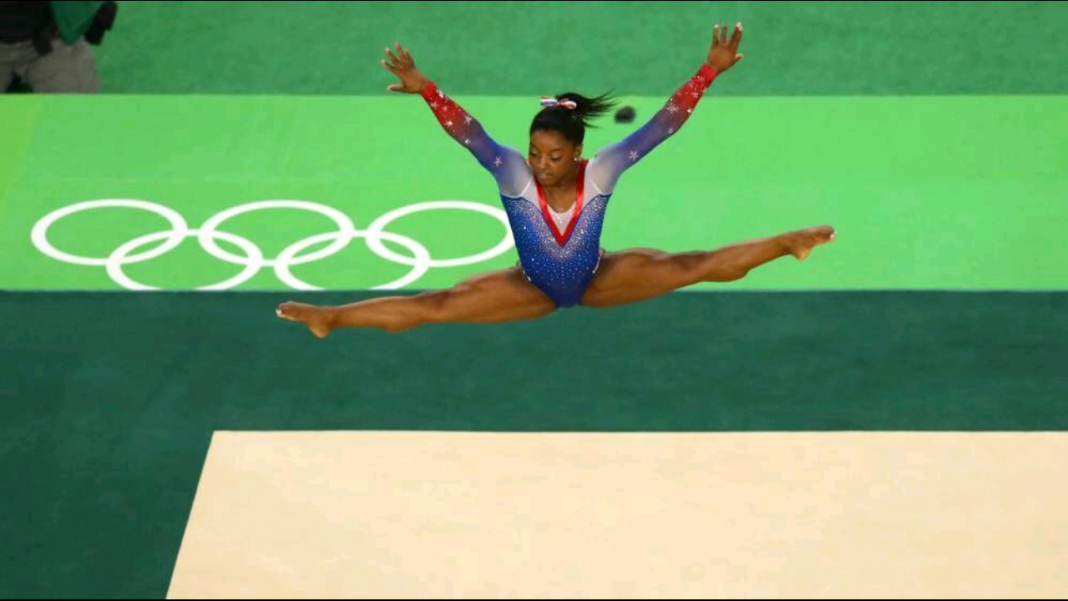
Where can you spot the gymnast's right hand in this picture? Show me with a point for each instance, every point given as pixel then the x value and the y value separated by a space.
pixel 402 65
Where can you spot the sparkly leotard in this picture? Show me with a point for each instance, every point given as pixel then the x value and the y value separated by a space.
pixel 559 253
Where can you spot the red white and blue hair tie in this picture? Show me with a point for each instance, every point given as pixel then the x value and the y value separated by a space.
pixel 567 104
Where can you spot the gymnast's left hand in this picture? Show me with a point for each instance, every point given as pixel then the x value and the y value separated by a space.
pixel 724 52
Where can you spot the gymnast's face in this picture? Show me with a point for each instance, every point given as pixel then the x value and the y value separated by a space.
pixel 552 157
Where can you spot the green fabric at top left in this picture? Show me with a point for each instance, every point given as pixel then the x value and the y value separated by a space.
pixel 74 17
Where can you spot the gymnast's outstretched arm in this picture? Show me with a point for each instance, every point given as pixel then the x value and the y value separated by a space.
pixel 610 163
pixel 506 165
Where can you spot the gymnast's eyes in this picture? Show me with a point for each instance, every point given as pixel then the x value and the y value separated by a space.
pixel 555 158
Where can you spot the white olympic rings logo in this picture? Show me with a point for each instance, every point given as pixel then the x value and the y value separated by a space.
pixel 207 235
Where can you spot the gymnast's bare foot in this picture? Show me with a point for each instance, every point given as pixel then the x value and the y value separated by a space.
pixel 318 319
pixel 801 242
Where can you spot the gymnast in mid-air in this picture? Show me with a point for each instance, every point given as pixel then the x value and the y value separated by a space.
pixel 556 200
